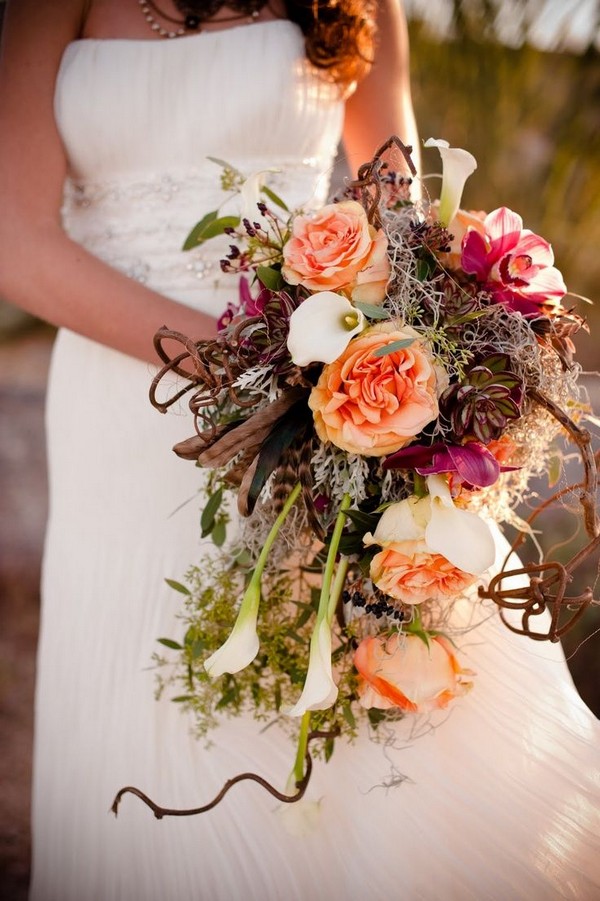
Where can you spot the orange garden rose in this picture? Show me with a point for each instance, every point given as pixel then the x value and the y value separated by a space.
pixel 375 405
pixel 402 671
pixel 436 549
pixel 409 572
pixel 337 249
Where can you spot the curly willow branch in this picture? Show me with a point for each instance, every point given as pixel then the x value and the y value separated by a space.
pixel 214 364
pixel 548 581
pixel 368 180
pixel 301 786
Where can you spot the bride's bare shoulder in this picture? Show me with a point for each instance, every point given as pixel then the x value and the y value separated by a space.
pixel 117 19
pixel 53 23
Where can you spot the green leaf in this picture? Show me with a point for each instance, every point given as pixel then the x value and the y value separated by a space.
pixel 197 649
pixel 177 586
pixel 507 407
pixel 425 269
pixel 219 533
pixel 365 561
pixel 496 362
pixel 181 699
pixel 328 748
pixel 207 520
pixel 289 633
pixel 348 715
pixel 226 699
pixel 393 347
pixel 169 643
pixel 502 384
pixel 209 227
pixel 225 165
pixel 190 636
pixel 372 311
pixel 271 278
pixel 467 317
pixel 244 558
pixel 365 521
pixel 303 618
pixel 191 240
pixel 275 198
pixel 338 654
pixel 351 544
pixel 376 716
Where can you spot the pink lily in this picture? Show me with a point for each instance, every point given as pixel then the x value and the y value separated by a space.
pixel 513 263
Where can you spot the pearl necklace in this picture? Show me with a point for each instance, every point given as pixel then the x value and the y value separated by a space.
pixel 190 23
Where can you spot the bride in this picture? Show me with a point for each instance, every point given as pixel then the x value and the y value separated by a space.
pixel 104 116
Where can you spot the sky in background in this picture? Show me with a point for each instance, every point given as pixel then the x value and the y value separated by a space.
pixel 548 24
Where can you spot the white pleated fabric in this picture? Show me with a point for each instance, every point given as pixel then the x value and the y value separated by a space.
pixel 499 802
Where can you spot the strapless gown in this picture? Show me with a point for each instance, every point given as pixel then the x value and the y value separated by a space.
pixel 499 802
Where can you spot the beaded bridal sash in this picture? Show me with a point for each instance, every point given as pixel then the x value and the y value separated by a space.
pixel 138 225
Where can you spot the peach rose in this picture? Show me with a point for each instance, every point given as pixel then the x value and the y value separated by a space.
pixel 375 405
pixel 403 671
pixel 409 572
pixel 337 249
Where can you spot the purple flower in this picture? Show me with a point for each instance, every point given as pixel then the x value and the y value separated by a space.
pixel 246 306
pixel 474 464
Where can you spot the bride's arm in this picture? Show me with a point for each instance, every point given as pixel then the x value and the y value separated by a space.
pixel 382 105
pixel 42 270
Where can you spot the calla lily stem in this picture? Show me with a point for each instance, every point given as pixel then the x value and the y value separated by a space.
pixel 337 587
pixel 328 591
pixel 242 646
pixel 300 760
pixel 264 554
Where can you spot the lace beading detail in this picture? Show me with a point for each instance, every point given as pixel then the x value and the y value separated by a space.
pixel 138 225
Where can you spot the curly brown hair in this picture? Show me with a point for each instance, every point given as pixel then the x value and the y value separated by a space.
pixel 340 35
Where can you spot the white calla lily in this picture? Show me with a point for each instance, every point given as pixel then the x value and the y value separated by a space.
pixel 457 165
pixel 404 521
pixel 320 691
pixel 461 536
pixel 241 647
pixel 321 328
pixel 250 194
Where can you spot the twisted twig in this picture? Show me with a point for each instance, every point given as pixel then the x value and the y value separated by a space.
pixel 369 181
pixel 583 440
pixel 548 581
pixel 301 786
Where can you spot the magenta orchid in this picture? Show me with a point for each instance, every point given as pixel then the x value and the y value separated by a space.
pixel 514 264
pixel 473 463
pixel 246 306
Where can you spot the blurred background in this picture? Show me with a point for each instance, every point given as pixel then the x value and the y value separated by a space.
pixel 518 84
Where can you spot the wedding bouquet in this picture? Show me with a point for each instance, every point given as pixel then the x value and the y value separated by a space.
pixel 391 376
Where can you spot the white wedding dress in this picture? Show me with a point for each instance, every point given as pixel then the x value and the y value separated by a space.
pixel 499 802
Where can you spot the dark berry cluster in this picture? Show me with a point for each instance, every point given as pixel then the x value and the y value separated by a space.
pixel 377 606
